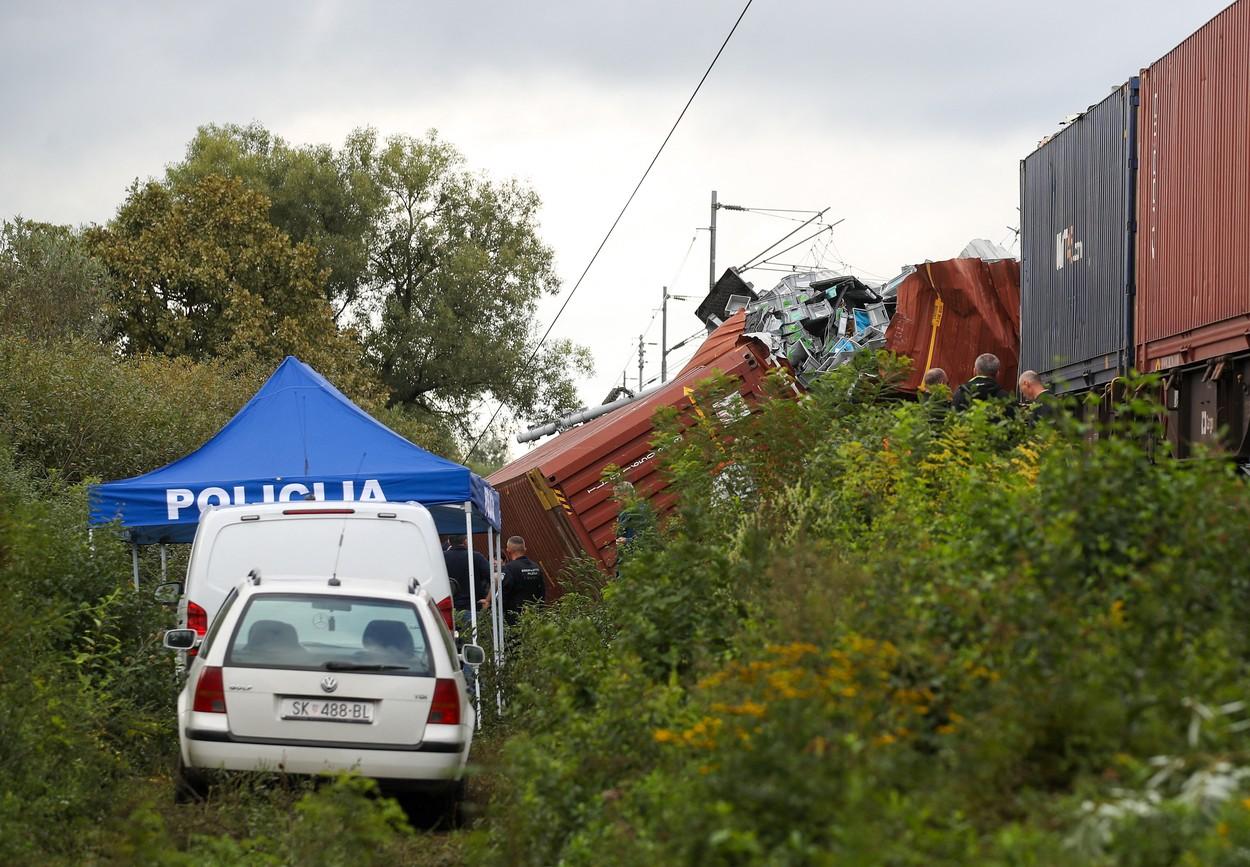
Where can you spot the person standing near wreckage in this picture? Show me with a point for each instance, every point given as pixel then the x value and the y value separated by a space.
pixel 983 385
pixel 1037 398
pixel 935 393
pixel 523 581
pixel 633 520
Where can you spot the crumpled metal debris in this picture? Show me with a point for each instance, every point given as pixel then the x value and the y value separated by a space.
pixel 819 319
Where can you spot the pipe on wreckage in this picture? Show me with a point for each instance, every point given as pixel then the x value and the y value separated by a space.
pixel 584 415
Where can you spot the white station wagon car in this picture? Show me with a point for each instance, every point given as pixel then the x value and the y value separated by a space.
pixel 313 675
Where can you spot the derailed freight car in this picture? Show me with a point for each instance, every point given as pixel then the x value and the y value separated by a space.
pixel 1135 239
pixel 947 313
pixel 555 496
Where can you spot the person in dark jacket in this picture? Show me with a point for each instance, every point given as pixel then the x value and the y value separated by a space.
pixel 1041 403
pixel 457 556
pixel 983 385
pixel 523 581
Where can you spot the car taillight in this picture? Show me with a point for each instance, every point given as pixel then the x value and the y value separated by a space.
pixel 444 608
pixel 197 619
pixel 210 693
pixel 445 709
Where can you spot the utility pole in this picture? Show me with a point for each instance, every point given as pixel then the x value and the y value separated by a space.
pixel 711 259
pixel 664 336
pixel 664 350
pixel 641 356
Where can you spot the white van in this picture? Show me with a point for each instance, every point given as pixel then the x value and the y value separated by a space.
pixel 376 541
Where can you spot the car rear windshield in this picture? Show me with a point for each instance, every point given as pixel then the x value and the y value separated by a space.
pixel 330 633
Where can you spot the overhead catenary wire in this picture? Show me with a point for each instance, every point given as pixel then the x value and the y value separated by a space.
pixel 769 260
pixel 656 311
pixel 760 255
pixel 624 208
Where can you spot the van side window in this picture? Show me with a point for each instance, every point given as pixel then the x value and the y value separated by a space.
pixel 215 627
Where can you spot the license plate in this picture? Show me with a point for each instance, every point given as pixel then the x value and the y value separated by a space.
pixel 323 710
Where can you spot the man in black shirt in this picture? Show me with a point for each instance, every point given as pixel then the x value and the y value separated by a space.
pixel 1038 398
pixel 523 581
pixel 983 385
pixel 456 556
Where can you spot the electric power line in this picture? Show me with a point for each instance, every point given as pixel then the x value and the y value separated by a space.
pixel 615 222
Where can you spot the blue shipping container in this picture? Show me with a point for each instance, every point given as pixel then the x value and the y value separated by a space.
pixel 1077 200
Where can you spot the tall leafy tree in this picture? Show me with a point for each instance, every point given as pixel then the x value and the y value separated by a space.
pixel 458 268
pixel 441 269
pixel 51 287
pixel 200 272
pixel 326 199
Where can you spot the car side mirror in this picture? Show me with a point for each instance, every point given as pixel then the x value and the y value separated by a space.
pixel 471 654
pixel 168 593
pixel 180 639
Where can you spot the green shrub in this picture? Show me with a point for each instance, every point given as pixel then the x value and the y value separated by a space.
pixel 872 636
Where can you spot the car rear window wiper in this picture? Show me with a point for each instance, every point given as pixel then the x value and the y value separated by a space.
pixel 362 666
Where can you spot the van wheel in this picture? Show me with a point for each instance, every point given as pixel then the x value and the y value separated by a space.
pixel 190 785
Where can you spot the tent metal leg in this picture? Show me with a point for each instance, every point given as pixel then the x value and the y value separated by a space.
pixel 134 561
pixel 468 535
pixel 494 594
pixel 164 563
pixel 497 563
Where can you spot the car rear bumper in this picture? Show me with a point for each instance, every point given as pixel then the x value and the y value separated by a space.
pixel 433 762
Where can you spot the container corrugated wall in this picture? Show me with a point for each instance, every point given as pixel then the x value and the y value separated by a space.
pixel 542 515
pixel 1193 245
pixel 950 312
pixel 567 470
pixel 1076 206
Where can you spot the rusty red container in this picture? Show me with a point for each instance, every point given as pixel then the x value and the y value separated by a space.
pixel 950 312
pixel 555 496
pixel 1193 234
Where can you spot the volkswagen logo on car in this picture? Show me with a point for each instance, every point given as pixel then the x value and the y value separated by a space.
pixel 329 684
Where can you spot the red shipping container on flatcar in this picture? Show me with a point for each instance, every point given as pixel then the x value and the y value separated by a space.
pixel 1193 198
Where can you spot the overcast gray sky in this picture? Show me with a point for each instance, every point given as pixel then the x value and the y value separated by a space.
pixel 907 118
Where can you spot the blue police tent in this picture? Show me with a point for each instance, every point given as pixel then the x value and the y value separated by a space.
pixel 299 437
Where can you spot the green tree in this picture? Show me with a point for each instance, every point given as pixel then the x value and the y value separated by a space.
pixel 50 285
pixel 200 272
pixel 441 268
pixel 329 200
pixel 458 270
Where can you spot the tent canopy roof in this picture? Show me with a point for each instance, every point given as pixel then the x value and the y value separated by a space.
pixel 297 437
